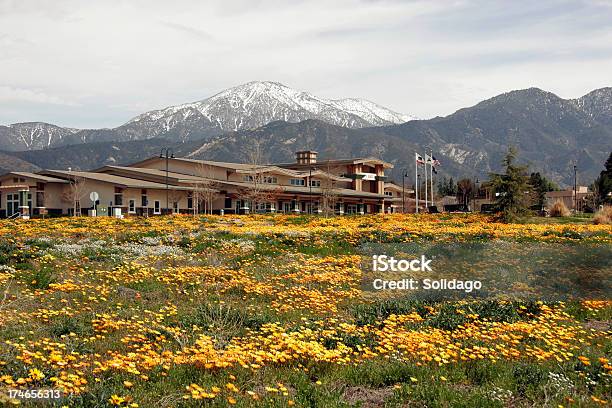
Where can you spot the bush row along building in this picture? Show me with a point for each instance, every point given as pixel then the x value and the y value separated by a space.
pixel 164 185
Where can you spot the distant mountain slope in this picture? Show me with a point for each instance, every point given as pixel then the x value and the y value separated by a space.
pixel 32 135
pixel 8 162
pixel 551 133
pixel 597 104
pixel 246 106
pixel 89 156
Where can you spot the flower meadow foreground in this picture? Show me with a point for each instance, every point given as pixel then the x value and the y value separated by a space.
pixel 278 311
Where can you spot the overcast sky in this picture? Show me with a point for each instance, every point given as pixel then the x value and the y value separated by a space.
pixel 99 63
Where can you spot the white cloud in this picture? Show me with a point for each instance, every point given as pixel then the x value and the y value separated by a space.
pixel 425 58
pixel 10 94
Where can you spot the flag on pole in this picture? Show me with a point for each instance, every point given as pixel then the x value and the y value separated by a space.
pixel 432 160
pixel 418 158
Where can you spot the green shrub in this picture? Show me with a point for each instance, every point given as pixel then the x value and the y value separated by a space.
pixel 528 378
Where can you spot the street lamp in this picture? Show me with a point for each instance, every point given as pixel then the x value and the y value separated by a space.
pixel 168 153
pixel 404 175
pixel 575 191
pixel 474 194
pixel 310 190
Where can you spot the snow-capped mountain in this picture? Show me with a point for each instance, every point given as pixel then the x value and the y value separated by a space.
pixel 597 104
pixel 246 106
pixel 32 135
pixel 255 104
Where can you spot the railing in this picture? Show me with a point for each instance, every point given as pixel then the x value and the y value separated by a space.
pixel 14 216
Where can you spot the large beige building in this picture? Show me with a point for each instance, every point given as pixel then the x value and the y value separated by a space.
pixel 162 185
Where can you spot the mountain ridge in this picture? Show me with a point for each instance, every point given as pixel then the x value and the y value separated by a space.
pixel 245 106
pixel 551 133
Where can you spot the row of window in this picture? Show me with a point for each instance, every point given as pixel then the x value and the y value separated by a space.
pixel 274 180
pixel 302 182
pixel 263 179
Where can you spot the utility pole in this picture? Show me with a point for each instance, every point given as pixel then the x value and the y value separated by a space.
pixel 575 191
pixel 431 175
pixel 426 203
pixel 416 186
pixel 169 154
pixel 404 171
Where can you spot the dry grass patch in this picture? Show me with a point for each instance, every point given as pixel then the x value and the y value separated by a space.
pixel 603 216
pixel 559 209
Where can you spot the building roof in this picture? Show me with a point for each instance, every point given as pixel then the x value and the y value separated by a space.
pixel 246 166
pixel 125 182
pixel 154 173
pixel 233 166
pixel 339 162
pixel 396 187
pixel 35 176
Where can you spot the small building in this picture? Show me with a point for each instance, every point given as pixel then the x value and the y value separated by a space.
pixel 400 198
pixel 574 200
pixel 28 194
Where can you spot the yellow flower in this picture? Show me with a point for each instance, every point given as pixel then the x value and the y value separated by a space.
pixel 36 374
pixel 116 400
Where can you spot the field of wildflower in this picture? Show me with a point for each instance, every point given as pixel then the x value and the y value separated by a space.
pixel 272 311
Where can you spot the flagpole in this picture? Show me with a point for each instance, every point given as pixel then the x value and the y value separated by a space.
pixel 416 182
pixel 426 179
pixel 431 175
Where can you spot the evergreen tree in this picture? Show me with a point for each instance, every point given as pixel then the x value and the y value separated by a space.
pixel 603 183
pixel 447 187
pixel 511 188
pixel 540 186
pixel 452 187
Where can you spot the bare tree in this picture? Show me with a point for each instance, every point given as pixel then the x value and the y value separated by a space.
pixel 258 179
pixel 174 196
pixel 329 190
pixel 465 189
pixel 77 189
pixel 204 189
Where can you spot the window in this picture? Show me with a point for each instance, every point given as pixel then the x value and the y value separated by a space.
pixel 228 202
pixel 132 207
pixel 388 193
pixel 263 179
pixel 190 201
pixel 175 207
pixel 118 196
pixel 144 202
pixel 297 182
pixel 156 207
pixel 40 198
pixel 315 183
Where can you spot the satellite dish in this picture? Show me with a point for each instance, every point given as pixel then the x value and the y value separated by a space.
pixel 93 196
